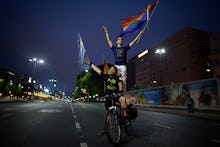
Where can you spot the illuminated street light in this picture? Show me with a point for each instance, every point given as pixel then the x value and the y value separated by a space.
pixel 52 80
pixel 208 70
pixel 160 51
pixel 40 61
pixel 154 81
pixel 36 61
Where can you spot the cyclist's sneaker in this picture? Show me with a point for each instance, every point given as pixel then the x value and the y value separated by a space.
pixel 127 121
pixel 102 132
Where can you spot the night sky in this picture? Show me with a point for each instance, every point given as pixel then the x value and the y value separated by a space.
pixel 48 29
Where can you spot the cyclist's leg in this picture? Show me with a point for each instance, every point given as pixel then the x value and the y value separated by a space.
pixel 122 100
pixel 124 108
pixel 122 72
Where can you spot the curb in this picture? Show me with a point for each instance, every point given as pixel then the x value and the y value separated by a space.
pixel 213 114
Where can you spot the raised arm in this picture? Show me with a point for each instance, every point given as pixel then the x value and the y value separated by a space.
pixel 95 68
pixel 136 38
pixel 107 36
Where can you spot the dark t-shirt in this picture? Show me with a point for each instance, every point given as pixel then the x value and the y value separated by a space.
pixel 120 54
pixel 111 83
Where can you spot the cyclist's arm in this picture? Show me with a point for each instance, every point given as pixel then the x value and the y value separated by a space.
pixel 96 69
pixel 88 62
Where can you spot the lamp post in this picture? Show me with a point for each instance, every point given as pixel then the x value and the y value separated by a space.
pixel 36 61
pixel 160 52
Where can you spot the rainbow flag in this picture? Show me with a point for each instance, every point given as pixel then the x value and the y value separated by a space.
pixel 134 23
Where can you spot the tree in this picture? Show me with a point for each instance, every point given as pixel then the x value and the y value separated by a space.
pixel 91 81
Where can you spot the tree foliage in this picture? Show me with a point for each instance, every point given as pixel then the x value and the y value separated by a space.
pixel 91 81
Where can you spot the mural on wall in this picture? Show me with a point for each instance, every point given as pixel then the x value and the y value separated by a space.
pixel 203 93
pixel 147 96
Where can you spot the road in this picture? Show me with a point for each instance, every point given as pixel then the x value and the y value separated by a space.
pixel 55 124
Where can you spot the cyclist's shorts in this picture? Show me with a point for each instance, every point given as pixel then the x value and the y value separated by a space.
pixel 108 101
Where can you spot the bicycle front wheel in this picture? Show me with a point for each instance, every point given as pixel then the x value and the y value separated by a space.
pixel 113 127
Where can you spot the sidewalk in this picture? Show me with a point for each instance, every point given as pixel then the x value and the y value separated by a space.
pixel 208 113
pixel 11 100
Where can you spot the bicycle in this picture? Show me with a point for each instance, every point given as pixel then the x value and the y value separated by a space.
pixel 115 122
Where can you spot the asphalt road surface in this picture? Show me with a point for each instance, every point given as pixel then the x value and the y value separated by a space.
pixel 55 124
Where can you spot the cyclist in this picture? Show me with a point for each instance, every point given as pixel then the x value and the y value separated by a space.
pixel 113 85
pixel 120 53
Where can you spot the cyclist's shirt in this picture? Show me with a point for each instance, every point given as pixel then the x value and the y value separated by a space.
pixel 120 54
pixel 111 83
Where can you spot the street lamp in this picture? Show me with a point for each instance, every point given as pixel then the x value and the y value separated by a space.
pixel 160 52
pixel 36 61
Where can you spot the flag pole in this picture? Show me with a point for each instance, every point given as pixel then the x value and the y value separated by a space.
pixel 151 16
pixel 146 25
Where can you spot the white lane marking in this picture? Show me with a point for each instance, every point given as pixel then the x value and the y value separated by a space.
pixel 77 125
pixel 161 125
pixel 50 110
pixel 75 116
pixel 71 106
pixel 83 145
pixel 216 141
pixel 6 115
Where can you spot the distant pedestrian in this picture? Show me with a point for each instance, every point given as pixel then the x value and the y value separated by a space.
pixel 190 104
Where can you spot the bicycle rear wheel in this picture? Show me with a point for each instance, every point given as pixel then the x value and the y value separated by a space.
pixel 113 127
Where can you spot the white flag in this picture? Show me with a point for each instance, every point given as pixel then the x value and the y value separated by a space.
pixel 82 54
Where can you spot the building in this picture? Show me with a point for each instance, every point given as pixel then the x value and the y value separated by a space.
pixel 131 73
pixel 215 54
pixel 184 58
